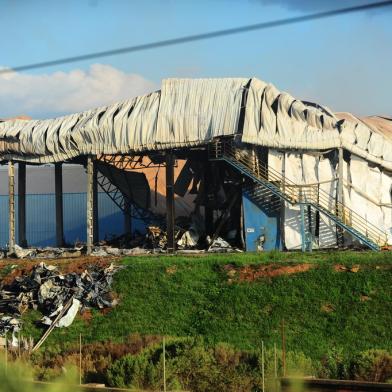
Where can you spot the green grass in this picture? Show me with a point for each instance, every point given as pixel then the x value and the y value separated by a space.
pixel 197 299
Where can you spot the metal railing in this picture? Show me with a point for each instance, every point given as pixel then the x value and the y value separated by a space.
pixel 311 195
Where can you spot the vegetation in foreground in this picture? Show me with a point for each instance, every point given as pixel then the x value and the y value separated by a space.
pixel 193 365
pixel 336 306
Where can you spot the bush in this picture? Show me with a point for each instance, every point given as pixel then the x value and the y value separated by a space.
pixel 335 365
pixel 298 364
pixel 372 365
pixel 190 365
pixel 129 371
pixel 193 365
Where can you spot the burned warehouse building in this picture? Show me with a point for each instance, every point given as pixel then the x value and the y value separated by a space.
pixel 216 164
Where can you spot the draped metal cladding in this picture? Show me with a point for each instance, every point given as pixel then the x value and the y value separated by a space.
pixel 276 119
pixel 190 112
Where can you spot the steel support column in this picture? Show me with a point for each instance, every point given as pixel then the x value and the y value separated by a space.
pixel 95 204
pixel 22 204
pixel 90 201
pixel 208 211
pixel 283 204
pixel 58 185
pixel 306 226
pixel 170 213
pixel 303 230
pixel 11 206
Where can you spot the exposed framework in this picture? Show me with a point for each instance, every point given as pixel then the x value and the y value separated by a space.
pixel 187 113
pixel 123 203
pixel 133 162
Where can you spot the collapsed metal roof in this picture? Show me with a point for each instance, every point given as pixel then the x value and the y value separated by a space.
pixel 192 112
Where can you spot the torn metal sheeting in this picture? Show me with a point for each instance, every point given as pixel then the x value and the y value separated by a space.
pixel 68 318
pixel 49 291
pixel 192 112
pixel 184 179
pixel 43 253
pixel 219 245
pixel 192 236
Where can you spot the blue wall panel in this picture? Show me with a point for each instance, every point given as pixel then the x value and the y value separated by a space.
pixel 260 221
pixel 41 223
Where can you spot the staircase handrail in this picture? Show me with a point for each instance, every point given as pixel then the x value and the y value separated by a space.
pixel 305 194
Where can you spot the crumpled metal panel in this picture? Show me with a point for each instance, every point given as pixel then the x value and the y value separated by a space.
pixel 194 111
pixel 189 112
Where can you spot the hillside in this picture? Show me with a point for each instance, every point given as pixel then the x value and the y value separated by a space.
pixel 327 300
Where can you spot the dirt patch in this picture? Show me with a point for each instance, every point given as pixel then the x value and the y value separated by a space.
pixel 250 273
pixel 171 270
pixel 16 272
pixel 24 267
pixel 339 268
pixel 86 315
pixel 82 263
pixel 343 268
pixel 327 308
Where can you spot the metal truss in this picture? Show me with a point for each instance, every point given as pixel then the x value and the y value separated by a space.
pixel 122 202
pixel 131 162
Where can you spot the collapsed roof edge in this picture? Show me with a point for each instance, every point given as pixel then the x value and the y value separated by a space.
pixel 192 112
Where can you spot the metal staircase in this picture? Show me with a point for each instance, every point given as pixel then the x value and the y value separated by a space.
pixel 303 195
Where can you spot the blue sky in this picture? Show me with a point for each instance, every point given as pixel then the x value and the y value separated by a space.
pixel 343 62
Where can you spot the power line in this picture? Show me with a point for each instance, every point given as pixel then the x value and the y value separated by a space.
pixel 200 37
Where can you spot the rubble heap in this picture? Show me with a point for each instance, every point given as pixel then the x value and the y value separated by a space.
pixel 57 296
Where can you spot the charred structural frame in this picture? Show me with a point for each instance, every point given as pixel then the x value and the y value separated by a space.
pixel 282 173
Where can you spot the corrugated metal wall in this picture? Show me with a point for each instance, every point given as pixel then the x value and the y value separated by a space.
pixel 41 223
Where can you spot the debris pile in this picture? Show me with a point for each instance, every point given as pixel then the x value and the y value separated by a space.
pixel 156 238
pixel 219 245
pixel 58 296
pixel 189 234
pixel 42 253
pixel 8 323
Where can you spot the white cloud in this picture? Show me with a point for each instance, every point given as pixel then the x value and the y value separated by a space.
pixel 48 95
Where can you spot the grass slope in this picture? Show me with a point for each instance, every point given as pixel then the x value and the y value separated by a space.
pixel 180 296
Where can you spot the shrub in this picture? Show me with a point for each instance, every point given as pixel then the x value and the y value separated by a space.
pixel 129 371
pixel 372 365
pixel 191 364
pixel 335 365
pixel 297 363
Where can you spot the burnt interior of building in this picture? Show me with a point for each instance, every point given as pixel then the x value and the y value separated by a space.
pixel 234 200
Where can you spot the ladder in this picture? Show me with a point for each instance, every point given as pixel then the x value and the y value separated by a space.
pixel 302 195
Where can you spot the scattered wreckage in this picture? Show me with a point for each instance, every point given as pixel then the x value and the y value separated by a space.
pixel 59 297
pixel 189 235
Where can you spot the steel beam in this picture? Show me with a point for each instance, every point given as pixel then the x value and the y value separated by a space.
pixel 170 213
pixel 90 201
pixel 208 210
pixel 95 204
pixel 303 228
pixel 58 185
pixel 22 204
pixel 11 207
pixel 283 204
